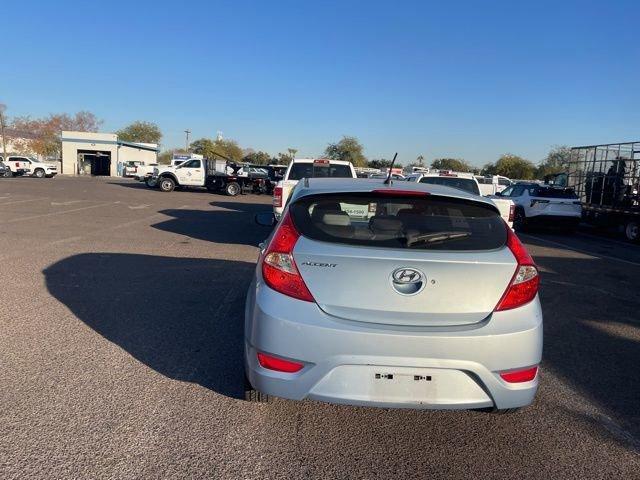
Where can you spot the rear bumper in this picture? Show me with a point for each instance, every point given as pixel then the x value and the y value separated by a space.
pixel 350 362
pixel 569 220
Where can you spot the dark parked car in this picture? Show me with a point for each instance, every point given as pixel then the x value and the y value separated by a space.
pixel 5 171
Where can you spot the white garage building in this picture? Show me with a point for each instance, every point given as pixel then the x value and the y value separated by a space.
pixel 85 153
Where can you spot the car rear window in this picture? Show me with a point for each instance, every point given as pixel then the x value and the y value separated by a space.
pixel 312 170
pixel 427 222
pixel 466 184
pixel 548 192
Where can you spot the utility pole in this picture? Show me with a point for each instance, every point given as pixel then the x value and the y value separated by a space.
pixel 187 132
pixel 2 125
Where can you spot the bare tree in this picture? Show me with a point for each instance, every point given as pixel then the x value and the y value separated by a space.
pixel 3 108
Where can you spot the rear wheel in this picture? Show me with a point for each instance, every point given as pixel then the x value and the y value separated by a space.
pixel 252 395
pixel 632 231
pixel 498 411
pixel 167 184
pixel 39 173
pixel 8 173
pixel 519 220
pixel 151 183
pixel 232 189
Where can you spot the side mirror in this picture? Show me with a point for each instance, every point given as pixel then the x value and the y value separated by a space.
pixel 498 194
pixel 265 219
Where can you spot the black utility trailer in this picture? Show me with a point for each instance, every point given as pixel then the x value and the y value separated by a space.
pixel 606 179
pixel 227 177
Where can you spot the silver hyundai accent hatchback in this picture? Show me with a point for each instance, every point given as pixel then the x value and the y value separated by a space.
pixel 404 295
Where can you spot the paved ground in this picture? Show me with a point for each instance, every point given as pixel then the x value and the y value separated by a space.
pixel 104 375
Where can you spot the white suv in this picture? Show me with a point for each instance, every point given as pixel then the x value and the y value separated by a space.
pixel 543 205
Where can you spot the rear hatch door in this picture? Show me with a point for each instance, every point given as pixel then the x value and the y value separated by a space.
pixel 409 261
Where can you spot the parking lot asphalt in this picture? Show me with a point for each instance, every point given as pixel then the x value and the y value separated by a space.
pixel 121 355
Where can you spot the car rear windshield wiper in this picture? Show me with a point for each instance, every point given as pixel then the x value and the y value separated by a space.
pixel 439 237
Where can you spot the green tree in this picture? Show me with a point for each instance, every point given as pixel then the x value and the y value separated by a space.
pixel 514 167
pixel 165 157
pixel 257 158
pixel 349 149
pixel 379 163
pixel 219 148
pixel 284 158
pixel 455 164
pixel 488 169
pixel 141 132
pixel 556 162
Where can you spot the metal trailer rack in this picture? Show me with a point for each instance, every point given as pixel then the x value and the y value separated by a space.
pixel 606 179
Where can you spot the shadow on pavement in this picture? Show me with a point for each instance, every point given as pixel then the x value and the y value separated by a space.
pixel 592 330
pixel 233 222
pixel 182 317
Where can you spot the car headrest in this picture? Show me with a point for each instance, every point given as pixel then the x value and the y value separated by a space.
pixel 337 219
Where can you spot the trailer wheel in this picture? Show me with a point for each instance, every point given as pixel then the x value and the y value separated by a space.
pixel 167 184
pixel 632 231
pixel 232 189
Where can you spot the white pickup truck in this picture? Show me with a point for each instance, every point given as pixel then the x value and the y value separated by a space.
pixel 214 175
pixel 21 165
pixel 469 183
pixel 301 168
pixel 143 171
pixel 492 184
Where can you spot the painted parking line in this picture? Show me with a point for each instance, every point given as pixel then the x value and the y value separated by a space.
pixel 575 249
pixel 23 201
pixel 51 214
pixel 612 240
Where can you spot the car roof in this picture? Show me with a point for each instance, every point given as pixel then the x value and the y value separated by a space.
pixel 312 186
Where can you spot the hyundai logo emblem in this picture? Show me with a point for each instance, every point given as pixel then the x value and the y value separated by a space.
pixel 407 281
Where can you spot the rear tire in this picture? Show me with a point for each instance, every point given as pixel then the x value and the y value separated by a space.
pixel 167 184
pixel 151 183
pixel 252 395
pixel 232 189
pixel 519 220
pixel 8 173
pixel 632 231
pixel 499 411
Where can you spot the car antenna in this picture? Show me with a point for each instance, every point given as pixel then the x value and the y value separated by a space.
pixel 388 180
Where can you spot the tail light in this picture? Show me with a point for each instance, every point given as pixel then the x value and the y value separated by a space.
pixel 278 364
pixel 279 269
pixel 277 197
pixel 524 284
pixel 534 202
pixel 512 212
pixel 519 376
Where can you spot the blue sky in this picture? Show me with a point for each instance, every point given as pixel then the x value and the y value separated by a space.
pixel 460 79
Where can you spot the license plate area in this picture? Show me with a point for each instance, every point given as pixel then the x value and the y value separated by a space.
pixel 400 385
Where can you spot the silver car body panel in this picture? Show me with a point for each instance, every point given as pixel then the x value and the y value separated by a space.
pixel 363 343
